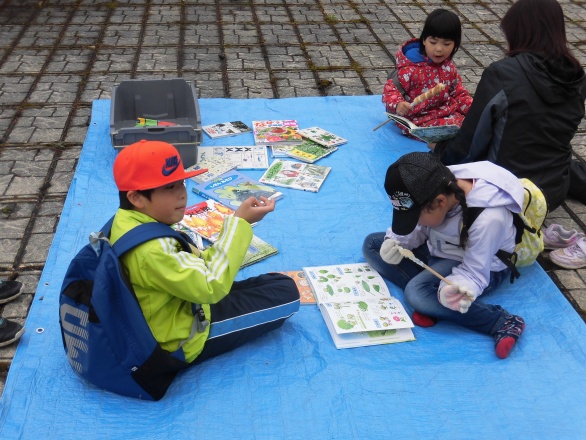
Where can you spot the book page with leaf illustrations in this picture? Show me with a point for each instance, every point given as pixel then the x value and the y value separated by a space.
pixel 355 298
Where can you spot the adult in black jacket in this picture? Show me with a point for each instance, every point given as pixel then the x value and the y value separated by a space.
pixel 527 107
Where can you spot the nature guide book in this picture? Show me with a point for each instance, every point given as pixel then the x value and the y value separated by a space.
pixel 357 306
pixel 226 129
pixel 322 137
pixel 305 292
pixel 308 151
pixel 253 157
pixel 426 134
pixel 233 187
pixel 205 220
pixel 281 132
pixel 258 250
pixel 295 175
pixel 215 167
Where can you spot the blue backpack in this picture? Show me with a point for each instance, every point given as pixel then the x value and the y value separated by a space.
pixel 105 335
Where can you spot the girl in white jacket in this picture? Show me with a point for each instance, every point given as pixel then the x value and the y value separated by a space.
pixel 430 217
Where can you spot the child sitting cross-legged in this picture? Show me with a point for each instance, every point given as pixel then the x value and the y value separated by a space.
pixel 430 217
pixel 169 281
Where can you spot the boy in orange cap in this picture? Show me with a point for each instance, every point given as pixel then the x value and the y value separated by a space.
pixel 181 292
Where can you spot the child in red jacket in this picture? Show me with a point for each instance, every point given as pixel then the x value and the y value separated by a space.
pixel 424 63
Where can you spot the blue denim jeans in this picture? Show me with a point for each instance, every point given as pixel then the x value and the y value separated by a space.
pixel 420 286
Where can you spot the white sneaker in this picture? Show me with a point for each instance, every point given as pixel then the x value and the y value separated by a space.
pixel 557 237
pixel 573 257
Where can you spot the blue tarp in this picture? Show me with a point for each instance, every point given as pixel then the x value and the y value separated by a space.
pixel 293 383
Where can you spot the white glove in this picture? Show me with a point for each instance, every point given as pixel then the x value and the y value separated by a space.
pixel 457 298
pixel 389 251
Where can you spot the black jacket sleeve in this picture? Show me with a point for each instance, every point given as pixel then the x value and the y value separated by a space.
pixel 481 132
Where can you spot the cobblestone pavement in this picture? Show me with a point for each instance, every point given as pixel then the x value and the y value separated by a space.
pixel 58 56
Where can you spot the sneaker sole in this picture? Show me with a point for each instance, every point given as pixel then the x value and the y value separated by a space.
pixel 13 340
pixel 567 266
pixel 16 295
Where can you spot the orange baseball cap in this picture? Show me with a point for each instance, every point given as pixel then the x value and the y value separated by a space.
pixel 148 165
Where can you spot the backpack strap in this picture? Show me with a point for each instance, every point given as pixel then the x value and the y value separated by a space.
pixel 150 231
pixel 508 258
pixel 143 233
pixel 394 76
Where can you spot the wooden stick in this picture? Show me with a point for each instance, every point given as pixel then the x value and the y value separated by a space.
pixel 409 254
pixel 380 125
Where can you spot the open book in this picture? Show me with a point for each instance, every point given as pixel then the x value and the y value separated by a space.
pixel 426 134
pixel 357 306
pixel 205 220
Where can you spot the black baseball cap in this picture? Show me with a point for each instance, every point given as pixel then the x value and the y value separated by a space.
pixel 411 183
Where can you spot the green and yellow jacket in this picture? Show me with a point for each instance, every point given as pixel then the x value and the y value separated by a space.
pixel 168 280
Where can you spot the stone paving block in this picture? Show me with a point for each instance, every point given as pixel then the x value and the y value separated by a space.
pixel 277 34
pixel 37 248
pixel 355 33
pixel 14 89
pixel 241 58
pixel 206 59
pixel 570 279
pixel 317 33
pixel 69 60
pixel 241 34
pixel 9 249
pixel 13 228
pixel 121 34
pixel 203 34
pixel 328 56
pixel 368 56
pixel 153 59
pixel 56 89
pixel 25 61
pixel 60 182
pixel 24 185
pixel 287 58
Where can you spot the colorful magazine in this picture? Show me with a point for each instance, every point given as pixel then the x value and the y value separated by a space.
pixel 309 151
pixel 322 137
pixel 355 300
pixel 226 129
pixel 233 187
pixel 206 218
pixel 245 157
pixel 280 132
pixel 295 175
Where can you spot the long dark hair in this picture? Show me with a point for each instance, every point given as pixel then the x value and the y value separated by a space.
pixel 537 26
pixel 442 23
pixel 452 188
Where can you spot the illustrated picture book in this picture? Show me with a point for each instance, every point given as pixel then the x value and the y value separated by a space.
pixel 282 132
pixel 308 151
pixel 305 292
pixel 258 250
pixel 322 137
pixel 245 157
pixel 426 134
pixel 354 298
pixel 206 218
pixel 226 129
pixel 295 175
pixel 233 187
pixel 215 167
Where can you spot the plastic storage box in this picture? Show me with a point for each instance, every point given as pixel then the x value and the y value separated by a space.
pixel 163 100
